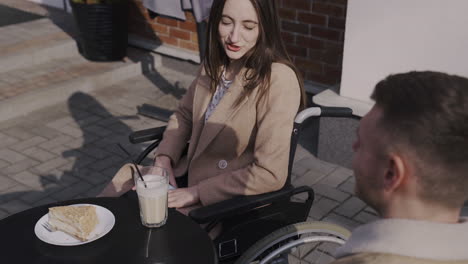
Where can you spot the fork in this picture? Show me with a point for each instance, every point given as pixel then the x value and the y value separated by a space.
pixel 47 227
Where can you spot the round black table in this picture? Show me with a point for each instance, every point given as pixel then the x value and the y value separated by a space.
pixel 179 241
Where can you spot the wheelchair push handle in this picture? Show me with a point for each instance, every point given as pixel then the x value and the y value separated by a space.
pixel 336 112
pixel 322 112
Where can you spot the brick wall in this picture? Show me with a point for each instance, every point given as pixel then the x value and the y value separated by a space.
pixel 313 31
pixel 163 30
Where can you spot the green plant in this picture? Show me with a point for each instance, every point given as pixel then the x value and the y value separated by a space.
pixel 89 2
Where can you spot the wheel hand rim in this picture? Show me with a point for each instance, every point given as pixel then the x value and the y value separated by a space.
pixel 301 241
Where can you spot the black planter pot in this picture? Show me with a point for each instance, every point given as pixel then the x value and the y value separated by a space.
pixel 102 30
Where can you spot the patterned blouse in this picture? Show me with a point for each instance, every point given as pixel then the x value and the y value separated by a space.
pixel 221 89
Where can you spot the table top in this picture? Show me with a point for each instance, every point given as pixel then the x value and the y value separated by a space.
pixel 180 240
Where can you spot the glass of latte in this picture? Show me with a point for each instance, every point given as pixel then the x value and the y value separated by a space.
pixel 152 195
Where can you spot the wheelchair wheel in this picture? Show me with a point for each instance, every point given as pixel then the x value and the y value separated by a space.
pixel 306 242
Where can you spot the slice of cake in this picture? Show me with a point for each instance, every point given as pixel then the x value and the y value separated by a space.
pixel 78 221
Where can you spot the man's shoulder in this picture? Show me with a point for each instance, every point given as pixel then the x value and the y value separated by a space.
pixel 361 258
pixel 380 258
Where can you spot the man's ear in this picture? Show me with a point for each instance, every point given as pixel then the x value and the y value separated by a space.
pixel 396 173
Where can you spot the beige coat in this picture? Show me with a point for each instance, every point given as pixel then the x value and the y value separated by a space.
pixel 405 241
pixel 378 258
pixel 241 150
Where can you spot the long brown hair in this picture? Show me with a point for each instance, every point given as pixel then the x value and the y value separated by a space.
pixel 258 61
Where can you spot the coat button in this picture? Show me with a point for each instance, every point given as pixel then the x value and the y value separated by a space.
pixel 222 164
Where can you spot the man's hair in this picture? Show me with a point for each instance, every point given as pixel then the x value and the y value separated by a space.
pixel 427 114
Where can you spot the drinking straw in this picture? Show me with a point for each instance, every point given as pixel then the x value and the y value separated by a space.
pixel 134 163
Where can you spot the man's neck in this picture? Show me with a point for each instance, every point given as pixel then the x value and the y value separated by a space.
pixel 423 211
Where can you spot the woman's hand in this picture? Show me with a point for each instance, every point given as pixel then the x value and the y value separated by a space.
pixel 165 162
pixel 183 197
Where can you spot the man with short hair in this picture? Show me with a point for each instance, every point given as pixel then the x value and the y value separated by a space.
pixel 411 166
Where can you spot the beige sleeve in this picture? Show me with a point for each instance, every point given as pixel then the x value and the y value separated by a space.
pixel 179 127
pixel 275 118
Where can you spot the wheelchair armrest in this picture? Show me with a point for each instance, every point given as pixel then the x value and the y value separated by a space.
pixel 242 204
pixel 147 135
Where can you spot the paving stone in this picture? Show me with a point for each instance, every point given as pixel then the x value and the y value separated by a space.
pixel 60 150
pixel 44 201
pixel 110 172
pixel 95 152
pixel 50 165
pixel 116 151
pixel 33 181
pixel 31 142
pixel 6 141
pixel 330 192
pixel 14 206
pixel 106 163
pixel 75 143
pixel 20 166
pixel 60 123
pixel 71 131
pixel 3 164
pixel 348 186
pixel 93 192
pixel 322 207
pixel 314 176
pixel 11 156
pixel 3 214
pixel 32 197
pixel 350 207
pixel 337 177
pixel 316 164
pixel 55 142
pixel 46 132
pixel 91 176
pixel 318 257
pixel 39 154
pixel 370 210
pixel 13 192
pixel 6 183
pixel 299 169
pixel 72 191
pixel 18 132
pixel 307 179
pixel 110 122
pixel 294 260
pixel 365 217
pixel 341 220
pixel 97 130
pixel 86 119
pixel 80 115
pixel 62 178
pixel 301 153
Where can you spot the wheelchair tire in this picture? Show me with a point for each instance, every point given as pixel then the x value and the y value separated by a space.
pixel 285 238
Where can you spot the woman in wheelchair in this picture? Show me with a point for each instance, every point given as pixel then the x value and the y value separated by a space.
pixel 238 114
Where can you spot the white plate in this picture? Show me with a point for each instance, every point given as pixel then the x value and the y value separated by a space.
pixel 106 222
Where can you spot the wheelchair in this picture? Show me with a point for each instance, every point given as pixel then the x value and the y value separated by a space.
pixel 270 227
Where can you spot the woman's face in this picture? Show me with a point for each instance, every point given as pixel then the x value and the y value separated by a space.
pixel 238 28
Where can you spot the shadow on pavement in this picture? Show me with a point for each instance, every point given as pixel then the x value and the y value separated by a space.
pixel 10 16
pixel 94 158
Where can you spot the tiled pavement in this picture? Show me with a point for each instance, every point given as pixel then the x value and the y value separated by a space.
pixel 68 150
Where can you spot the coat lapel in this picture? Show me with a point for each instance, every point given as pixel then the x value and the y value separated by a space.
pixel 222 113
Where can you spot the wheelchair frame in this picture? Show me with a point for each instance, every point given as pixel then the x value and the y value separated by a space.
pixel 267 212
